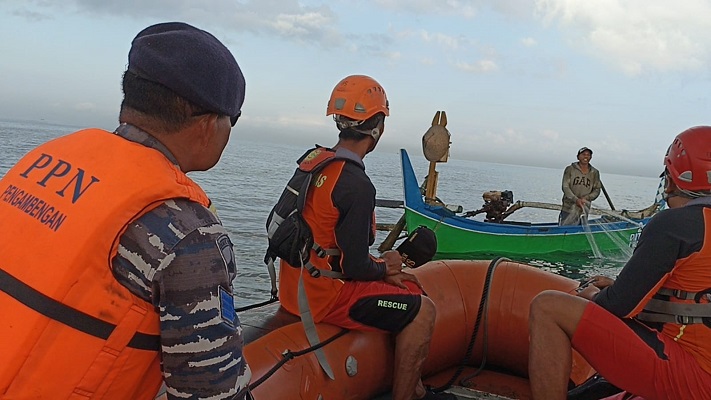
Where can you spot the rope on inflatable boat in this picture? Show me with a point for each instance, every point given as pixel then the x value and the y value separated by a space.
pixel 256 305
pixel 482 314
pixel 286 357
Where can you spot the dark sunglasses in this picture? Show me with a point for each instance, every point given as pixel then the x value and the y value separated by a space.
pixel 233 119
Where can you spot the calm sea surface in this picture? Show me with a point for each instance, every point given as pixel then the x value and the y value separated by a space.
pixel 251 175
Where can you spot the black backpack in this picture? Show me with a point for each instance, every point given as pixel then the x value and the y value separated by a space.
pixel 290 237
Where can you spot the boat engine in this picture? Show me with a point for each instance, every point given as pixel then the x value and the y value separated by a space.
pixel 495 205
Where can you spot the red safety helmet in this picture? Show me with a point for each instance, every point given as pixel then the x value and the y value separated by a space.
pixel 688 159
pixel 358 97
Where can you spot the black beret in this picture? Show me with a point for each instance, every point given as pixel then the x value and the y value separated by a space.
pixel 190 62
pixel 419 247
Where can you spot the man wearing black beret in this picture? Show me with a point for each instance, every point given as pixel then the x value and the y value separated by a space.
pixel 127 281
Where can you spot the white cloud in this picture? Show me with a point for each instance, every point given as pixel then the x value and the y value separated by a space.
pixel 392 55
pixel 636 35
pixel 287 19
pixel 550 135
pixel 462 8
pixel 440 39
pixel 299 24
pixel 507 137
pixel 529 42
pixel 482 66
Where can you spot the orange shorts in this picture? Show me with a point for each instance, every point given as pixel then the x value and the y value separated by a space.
pixel 638 359
pixel 375 306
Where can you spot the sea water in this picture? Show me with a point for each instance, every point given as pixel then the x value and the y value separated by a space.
pixel 251 175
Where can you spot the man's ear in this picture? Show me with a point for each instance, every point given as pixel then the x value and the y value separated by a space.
pixel 670 186
pixel 204 129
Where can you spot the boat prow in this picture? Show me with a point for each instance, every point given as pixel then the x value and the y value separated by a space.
pixel 497 294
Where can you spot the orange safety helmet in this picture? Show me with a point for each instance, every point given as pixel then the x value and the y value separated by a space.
pixel 358 97
pixel 688 159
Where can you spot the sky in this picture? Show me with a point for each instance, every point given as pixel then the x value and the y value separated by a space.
pixel 525 82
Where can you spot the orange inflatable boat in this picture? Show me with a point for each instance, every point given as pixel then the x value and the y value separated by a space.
pixel 283 368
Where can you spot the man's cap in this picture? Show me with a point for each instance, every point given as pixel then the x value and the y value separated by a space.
pixel 419 247
pixel 190 62
pixel 584 149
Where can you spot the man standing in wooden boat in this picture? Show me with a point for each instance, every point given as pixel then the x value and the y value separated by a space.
pixel 649 331
pixel 581 185
pixel 351 288
pixel 115 273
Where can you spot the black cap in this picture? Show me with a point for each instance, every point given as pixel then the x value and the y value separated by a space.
pixel 419 247
pixel 584 149
pixel 190 62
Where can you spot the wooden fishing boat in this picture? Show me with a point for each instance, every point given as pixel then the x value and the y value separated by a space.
pixel 460 237
pixel 480 341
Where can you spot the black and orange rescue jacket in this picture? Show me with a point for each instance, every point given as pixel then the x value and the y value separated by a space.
pixel 290 236
pixel 667 282
pixel 68 329
pixel 339 209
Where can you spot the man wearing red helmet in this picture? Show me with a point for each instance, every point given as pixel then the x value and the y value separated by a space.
pixel 647 332
pixel 373 294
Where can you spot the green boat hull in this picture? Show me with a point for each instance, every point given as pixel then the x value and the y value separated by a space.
pixel 456 242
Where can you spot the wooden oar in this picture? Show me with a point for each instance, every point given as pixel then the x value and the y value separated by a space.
pixel 393 235
pixel 607 196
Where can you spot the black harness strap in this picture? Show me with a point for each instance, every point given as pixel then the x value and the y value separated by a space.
pixel 69 316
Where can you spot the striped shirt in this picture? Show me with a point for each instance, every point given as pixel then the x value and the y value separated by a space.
pixel 179 258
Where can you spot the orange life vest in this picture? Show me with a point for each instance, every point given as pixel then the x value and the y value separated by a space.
pixel 68 329
pixel 690 278
pixel 322 216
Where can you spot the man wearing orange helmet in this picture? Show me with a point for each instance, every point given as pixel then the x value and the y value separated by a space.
pixel 649 331
pixel 374 294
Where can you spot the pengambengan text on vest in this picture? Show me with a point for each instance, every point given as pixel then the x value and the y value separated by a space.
pixel 33 206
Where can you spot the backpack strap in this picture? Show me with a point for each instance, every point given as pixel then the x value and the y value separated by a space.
pixel 658 310
pixel 316 273
pixel 307 321
pixel 678 293
pixel 313 162
pixel 305 310
pixel 272 278
pixel 323 253
pixel 316 159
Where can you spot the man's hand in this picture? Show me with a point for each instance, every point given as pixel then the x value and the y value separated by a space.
pixel 393 270
pixel 581 203
pixel 399 278
pixel 591 287
pixel 393 262
pixel 589 292
pixel 601 281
